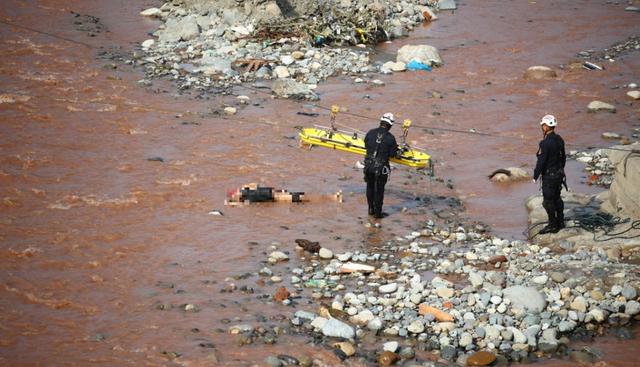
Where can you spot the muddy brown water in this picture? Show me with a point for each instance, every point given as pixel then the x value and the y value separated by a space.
pixel 93 233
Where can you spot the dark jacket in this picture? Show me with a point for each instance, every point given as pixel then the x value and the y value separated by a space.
pixel 551 158
pixel 382 151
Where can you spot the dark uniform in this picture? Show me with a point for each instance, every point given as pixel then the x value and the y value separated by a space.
pixel 550 165
pixel 381 145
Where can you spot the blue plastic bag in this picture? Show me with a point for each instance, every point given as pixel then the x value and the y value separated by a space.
pixel 417 65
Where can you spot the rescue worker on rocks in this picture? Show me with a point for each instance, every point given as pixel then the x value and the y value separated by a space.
pixel 550 166
pixel 381 145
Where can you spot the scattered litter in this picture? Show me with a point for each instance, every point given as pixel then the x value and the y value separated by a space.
pixel 254 193
pixel 591 66
pixel 310 114
pixel 417 65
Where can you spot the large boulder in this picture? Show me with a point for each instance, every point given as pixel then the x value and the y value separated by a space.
pixel 624 193
pixel 425 54
pixel 289 88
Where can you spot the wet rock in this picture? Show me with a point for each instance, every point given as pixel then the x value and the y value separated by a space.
pixel 273 361
pixel 281 294
pixel 239 329
pixel 526 297
pixel 447 5
pixel 609 135
pixel 539 72
pixel 377 82
pixel 407 353
pixel 288 360
pixel 151 12
pixel 395 66
pixel 596 106
pixel 448 352
pixel 347 348
pixel 308 246
pixel 289 88
pixel 425 54
pixel 481 358
pixel 338 329
pixel 582 357
pixel 387 358
pixel 277 256
pixel 635 94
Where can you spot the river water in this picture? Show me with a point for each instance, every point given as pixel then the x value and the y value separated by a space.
pixel 96 232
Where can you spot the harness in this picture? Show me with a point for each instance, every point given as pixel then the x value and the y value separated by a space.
pixel 373 162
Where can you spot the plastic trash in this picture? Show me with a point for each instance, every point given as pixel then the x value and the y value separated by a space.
pixel 417 65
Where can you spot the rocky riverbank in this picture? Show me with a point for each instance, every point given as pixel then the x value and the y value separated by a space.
pixel 467 296
pixel 212 46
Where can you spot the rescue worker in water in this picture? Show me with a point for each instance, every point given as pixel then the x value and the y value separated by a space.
pixel 381 145
pixel 550 166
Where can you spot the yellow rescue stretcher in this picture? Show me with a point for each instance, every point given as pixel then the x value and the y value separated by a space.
pixel 352 142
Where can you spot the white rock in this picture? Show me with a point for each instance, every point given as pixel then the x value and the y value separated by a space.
pixel 151 12
pixel 338 329
pixel 325 253
pixel 375 324
pixel 632 308
pixel 541 279
pixel 527 298
pixel 148 43
pixel 425 54
pixel 363 317
pixel 518 336
pixel 635 94
pixel 388 288
pixel 319 322
pixel 416 327
pixel 391 346
pixel 287 60
pixel 377 82
pixel 445 293
pixel 465 339
pixel 475 279
pixel 230 110
pixel 595 106
pixel 278 256
pixel 355 267
pixel 281 71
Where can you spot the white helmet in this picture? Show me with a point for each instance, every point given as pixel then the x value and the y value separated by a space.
pixel 388 118
pixel 549 120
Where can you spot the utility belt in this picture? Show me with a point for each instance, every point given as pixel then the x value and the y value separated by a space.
pixel 556 175
pixel 375 166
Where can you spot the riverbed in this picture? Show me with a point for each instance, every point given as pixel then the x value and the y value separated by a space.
pixel 107 183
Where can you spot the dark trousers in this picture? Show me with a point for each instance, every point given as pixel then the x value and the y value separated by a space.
pixel 375 192
pixel 552 202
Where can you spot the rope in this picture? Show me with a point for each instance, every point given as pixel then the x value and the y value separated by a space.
pixel 48 34
pixel 599 222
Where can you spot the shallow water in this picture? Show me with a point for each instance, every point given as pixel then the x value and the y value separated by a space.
pixel 93 233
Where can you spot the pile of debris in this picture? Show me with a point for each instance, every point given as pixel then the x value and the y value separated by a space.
pixel 208 45
pixel 598 165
